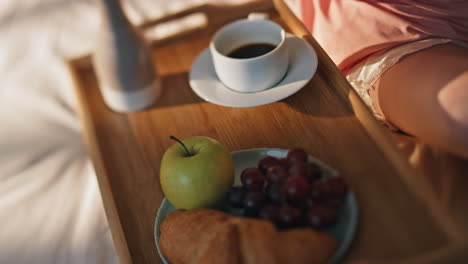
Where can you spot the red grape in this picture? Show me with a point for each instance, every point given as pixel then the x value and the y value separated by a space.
pixel 302 205
pixel 337 187
pixel 284 163
pixel 276 174
pixel 267 162
pixel 328 189
pixel 253 179
pixel 298 169
pixel 235 197
pixel 314 172
pixel 297 155
pixel 253 202
pixel 319 216
pixel 296 188
pixel 289 216
pixel 318 191
pixel 294 195
pixel 270 212
pixel 274 193
pixel 310 171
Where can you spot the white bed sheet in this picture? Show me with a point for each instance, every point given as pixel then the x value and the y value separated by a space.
pixel 50 206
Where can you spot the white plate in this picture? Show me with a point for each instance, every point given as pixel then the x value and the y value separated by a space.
pixel 302 66
pixel 343 230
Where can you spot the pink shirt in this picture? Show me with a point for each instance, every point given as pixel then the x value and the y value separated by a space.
pixel 351 30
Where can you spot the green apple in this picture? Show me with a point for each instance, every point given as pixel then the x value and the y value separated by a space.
pixel 196 173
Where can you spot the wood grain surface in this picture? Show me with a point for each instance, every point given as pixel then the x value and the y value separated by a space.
pixel 325 117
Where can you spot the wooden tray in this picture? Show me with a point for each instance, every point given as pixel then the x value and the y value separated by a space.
pixel 398 220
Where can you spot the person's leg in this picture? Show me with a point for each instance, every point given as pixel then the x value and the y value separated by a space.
pixel 426 95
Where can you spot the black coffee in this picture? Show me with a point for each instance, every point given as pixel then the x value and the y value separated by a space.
pixel 251 50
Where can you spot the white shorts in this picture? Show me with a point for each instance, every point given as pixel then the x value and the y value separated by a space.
pixel 363 76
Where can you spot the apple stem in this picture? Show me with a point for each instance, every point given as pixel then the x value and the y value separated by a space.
pixel 189 154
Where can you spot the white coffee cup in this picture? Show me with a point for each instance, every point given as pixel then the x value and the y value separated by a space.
pixel 251 74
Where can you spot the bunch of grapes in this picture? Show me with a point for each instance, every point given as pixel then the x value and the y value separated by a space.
pixel 290 192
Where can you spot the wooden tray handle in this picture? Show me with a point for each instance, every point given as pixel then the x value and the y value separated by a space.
pixel 215 13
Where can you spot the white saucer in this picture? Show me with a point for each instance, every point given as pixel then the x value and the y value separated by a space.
pixel 302 66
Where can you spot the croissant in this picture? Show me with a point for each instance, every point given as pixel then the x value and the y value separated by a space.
pixel 210 236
